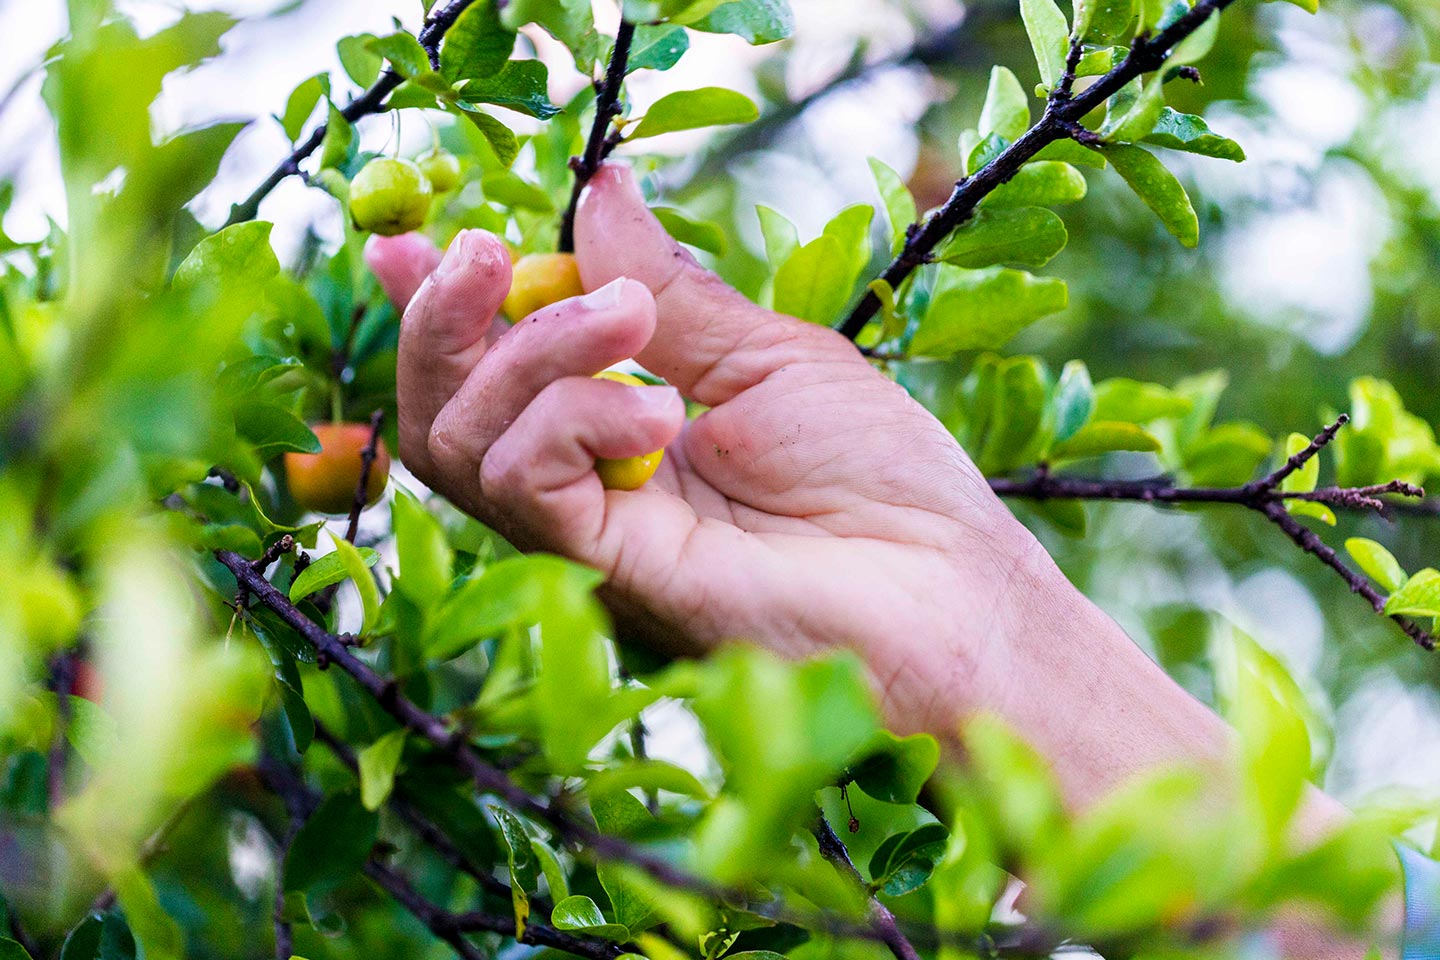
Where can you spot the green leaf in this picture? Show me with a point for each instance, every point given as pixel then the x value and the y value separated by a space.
pixel 477 45
pixel 1007 109
pixel 1419 597
pixel 522 85
pixel 1040 183
pixel 239 257
pixel 894 769
pixel 511 593
pixel 1133 401
pixel 904 862
pixel 11 950
pixel 362 64
pixel 302 103
pixel 1309 6
pixel 426 558
pixel 1131 119
pixel 657 47
pixel 1010 432
pixel 1074 400
pixel 985 151
pixel 1017 790
pixel 325 571
pixel 811 284
pixel 378 763
pixel 898 202
pixel 583 916
pixel 339 138
pixel 500 137
pixel 1049 38
pixel 272 429
pixel 1103 21
pixel 704 236
pixel 404 53
pixel 332 845
pixel 782 238
pixel 1104 436
pixel 1378 563
pixel 1026 236
pixel 1226 455
pixel 1268 712
pixel 694 109
pixel 508 188
pixel 357 570
pixel 551 869
pixel 1195 46
pixel 983 309
pixel 1159 189
pixel 618 814
pixel 755 21
pixel 1183 131
pixel 297 715
pixel 1307 477
pixel 648 775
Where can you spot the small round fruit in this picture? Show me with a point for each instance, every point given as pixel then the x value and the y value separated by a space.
pixel 389 196
pixel 630 473
pixel 540 279
pixel 325 482
pixel 442 169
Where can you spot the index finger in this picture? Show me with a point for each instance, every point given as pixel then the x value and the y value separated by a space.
pixel 710 340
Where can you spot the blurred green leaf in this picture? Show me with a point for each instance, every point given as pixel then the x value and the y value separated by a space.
pixel 701 235
pixel 583 916
pixel 693 109
pixel 362 64
pixel 897 201
pixel 1104 436
pixel 1074 400
pixel 378 763
pixel 894 769
pixel 1419 597
pixel 332 845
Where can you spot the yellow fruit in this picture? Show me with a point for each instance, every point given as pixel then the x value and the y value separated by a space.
pixel 325 482
pixel 630 473
pixel 389 197
pixel 540 279
pixel 442 169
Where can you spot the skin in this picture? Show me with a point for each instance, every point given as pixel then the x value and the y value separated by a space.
pixel 814 505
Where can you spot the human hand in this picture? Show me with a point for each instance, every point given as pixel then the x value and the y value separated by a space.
pixel 814 504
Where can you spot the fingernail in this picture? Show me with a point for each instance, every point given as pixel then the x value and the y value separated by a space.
pixel 606 297
pixel 457 256
pixel 658 398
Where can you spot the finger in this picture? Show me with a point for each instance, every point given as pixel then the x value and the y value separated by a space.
pixel 539 476
pixel 579 336
pixel 710 340
pixel 443 335
pixel 401 264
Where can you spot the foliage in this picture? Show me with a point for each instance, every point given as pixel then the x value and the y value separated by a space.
pixel 426 741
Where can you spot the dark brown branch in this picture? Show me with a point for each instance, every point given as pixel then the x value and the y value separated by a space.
pixel 440 922
pixel 1302 457
pixel 333 649
pixel 600 143
pixel 1062 114
pixel 370 102
pixel 886 927
pixel 362 488
pixel 1262 496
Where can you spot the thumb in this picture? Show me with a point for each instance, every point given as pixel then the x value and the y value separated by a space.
pixel 401 264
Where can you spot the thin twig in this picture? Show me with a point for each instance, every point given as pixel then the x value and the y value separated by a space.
pixel 1062 114
pixel 370 102
pixel 362 488
pixel 62 679
pixel 1262 496
pixel 832 848
pixel 600 143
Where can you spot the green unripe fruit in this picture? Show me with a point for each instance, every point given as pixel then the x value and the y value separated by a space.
pixel 389 197
pixel 442 169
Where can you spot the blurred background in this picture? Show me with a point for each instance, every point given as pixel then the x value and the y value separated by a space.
pixel 1320 262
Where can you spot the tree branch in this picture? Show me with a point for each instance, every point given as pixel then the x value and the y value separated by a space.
pixel 886 927
pixel 1061 118
pixel 600 143
pixel 1263 496
pixel 369 102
